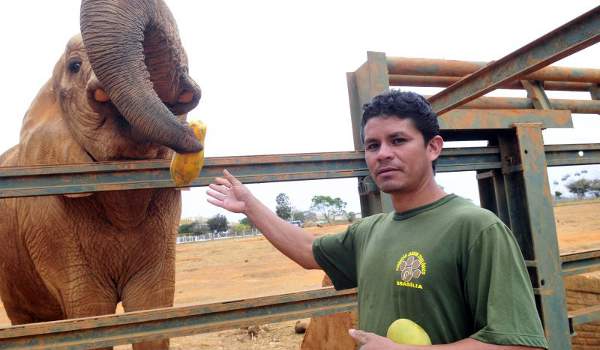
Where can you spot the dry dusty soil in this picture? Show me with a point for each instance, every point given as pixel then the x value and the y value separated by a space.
pixel 249 267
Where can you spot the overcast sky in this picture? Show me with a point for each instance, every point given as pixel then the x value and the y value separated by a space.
pixel 273 73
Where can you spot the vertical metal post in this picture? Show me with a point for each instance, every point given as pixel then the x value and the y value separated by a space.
pixel 535 91
pixel 369 80
pixel 531 218
pixel 595 92
pixel 492 193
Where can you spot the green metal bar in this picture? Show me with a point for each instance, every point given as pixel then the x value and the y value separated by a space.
pixel 539 232
pixel 110 330
pixel 83 178
pixel 584 315
pixel 564 155
pixel 576 35
pixel 111 176
pixel 491 193
pixel 580 262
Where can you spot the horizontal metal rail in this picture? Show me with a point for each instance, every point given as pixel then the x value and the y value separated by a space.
pixel 564 155
pixel 575 106
pixel 110 330
pixel 415 69
pixel 583 315
pixel 444 81
pixel 112 176
pixel 574 36
pixel 580 262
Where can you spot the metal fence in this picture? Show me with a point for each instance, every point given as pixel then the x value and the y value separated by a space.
pixel 191 238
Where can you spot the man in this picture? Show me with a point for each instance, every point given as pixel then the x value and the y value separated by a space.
pixel 439 260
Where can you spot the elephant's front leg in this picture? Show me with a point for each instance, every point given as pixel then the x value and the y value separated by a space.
pixel 150 291
pixel 86 300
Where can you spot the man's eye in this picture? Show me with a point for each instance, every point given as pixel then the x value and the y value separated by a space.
pixel 371 147
pixel 398 141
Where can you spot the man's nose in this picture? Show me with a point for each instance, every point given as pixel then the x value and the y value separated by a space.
pixel 384 152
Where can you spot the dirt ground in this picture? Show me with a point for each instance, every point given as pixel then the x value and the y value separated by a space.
pixel 249 267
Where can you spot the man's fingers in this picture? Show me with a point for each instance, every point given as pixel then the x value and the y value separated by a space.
pixel 222 181
pixel 234 181
pixel 218 188
pixel 216 195
pixel 215 202
pixel 360 336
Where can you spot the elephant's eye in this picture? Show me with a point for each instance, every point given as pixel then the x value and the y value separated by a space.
pixel 74 66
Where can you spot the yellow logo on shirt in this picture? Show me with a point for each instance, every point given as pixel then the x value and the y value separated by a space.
pixel 411 266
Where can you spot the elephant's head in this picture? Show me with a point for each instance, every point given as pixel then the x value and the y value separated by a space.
pixel 124 81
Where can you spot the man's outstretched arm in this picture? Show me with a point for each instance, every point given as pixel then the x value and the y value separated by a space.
pixel 229 193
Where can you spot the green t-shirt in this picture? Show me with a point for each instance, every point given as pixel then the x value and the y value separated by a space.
pixel 450 266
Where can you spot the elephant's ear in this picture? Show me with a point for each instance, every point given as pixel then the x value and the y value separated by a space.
pixel 45 137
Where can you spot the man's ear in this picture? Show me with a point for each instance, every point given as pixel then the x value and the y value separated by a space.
pixel 434 147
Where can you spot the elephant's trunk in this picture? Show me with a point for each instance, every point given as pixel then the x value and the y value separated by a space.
pixel 135 51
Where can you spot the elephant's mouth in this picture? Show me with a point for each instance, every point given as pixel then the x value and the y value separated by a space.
pixel 127 143
pixel 99 95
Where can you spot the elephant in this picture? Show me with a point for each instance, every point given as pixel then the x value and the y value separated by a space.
pixel 120 91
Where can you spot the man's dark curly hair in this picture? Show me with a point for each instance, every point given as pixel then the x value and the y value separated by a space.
pixel 403 104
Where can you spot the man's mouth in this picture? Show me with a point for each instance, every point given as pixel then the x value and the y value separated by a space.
pixel 385 170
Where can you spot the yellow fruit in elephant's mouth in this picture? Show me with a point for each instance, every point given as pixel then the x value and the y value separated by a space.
pixel 186 167
pixel 405 331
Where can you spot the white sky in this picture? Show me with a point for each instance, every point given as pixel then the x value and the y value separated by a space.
pixel 273 73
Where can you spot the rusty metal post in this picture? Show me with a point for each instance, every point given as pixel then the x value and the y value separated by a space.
pixel 535 91
pixel 366 82
pixel 531 218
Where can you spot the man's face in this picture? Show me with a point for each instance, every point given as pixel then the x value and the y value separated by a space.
pixel 397 157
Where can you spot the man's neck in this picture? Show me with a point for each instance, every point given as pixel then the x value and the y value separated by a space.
pixel 427 193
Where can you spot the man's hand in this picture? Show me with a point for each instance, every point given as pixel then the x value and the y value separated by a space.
pixel 229 193
pixel 371 341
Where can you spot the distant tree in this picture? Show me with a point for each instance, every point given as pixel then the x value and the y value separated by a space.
pixel 195 227
pixel 298 215
pixel 246 221
pixel 595 188
pixel 579 187
pixel 217 223
pixel 185 228
pixel 555 182
pixel 328 207
pixel 283 208
pixel 240 228
pixel 310 215
pixel 557 194
pixel 584 171
pixel 351 216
